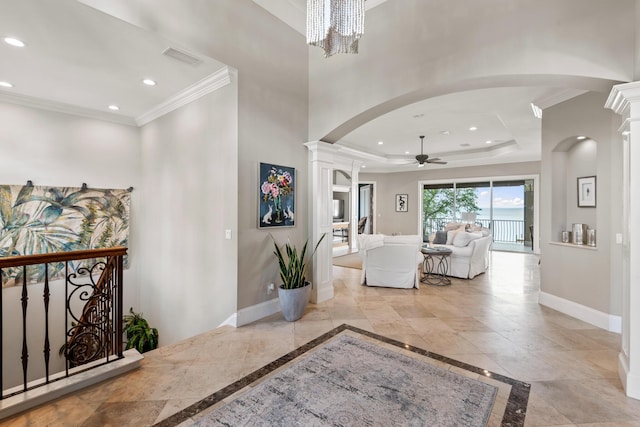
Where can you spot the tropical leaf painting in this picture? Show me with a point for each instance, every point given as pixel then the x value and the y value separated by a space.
pixel 37 220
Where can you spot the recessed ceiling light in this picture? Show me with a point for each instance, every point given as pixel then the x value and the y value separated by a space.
pixel 407 152
pixel 113 107
pixel 473 128
pixel 14 41
pixel 488 142
pixel 444 132
pixel 581 137
pixel 465 145
pixel 380 142
pixel 149 82
pixel 6 84
pixel 364 166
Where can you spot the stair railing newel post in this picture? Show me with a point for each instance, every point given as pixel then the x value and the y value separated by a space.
pixel 295 290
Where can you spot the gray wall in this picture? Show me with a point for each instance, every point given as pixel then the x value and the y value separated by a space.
pixel 587 277
pixel 272 111
pixel 189 188
pixel 54 149
pixel 63 150
pixel 389 184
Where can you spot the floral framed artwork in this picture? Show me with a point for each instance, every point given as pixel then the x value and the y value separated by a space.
pixel 587 192
pixel 276 196
pixel 402 203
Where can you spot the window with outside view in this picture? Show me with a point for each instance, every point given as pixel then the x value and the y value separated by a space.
pixel 504 207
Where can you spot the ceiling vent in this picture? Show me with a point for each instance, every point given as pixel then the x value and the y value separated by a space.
pixel 181 56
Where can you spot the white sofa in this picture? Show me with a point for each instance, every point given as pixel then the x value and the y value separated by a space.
pixel 470 255
pixel 390 261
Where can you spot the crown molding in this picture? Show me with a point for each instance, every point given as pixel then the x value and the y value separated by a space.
pixel 61 107
pixel 490 150
pixel 558 97
pixel 211 83
pixel 214 81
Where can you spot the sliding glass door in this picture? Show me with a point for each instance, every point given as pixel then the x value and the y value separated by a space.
pixel 444 203
pixel 503 206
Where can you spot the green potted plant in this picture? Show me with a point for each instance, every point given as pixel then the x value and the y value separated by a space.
pixel 295 290
pixel 139 334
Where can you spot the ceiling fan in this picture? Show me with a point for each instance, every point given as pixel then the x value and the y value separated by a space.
pixel 424 158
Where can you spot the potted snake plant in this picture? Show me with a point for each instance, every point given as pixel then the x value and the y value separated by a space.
pixel 295 290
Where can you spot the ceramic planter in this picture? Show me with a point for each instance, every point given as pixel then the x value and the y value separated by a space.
pixel 294 301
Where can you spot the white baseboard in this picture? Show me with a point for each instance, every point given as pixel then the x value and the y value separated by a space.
pixel 231 321
pixel 257 312
pixel 322 293
pixel 630 381
pixel 586 314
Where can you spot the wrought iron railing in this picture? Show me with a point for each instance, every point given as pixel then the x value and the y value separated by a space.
pixel 502 230
pixel 92 320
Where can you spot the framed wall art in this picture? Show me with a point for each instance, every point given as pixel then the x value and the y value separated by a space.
pixel 587 192
pixel 276 196
pixel 402 203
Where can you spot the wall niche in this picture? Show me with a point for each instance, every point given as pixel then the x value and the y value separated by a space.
pixel 571 159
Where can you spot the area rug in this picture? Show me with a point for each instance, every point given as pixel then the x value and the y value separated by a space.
pixel 349 261
pixel 352 377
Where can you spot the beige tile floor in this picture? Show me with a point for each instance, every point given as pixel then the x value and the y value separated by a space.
pixel 493 322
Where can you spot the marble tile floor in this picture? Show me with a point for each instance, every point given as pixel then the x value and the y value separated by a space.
pixel 493 322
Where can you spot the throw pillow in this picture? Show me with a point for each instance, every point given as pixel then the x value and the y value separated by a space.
pixel 452 234
pixel 463 238
pixel 440 238
pixel 452 226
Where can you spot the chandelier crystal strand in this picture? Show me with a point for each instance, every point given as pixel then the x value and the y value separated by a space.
pixel 335 25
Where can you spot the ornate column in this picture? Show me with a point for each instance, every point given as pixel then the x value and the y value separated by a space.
pixel 624 99
pixel 321 159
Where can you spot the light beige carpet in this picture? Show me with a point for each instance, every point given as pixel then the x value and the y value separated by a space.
pixel 349 261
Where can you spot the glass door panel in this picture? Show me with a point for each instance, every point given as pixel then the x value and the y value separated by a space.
pixel 473 202
pixel 438 202
pixel 507 220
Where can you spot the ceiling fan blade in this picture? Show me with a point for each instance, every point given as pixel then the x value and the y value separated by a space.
pixel 435 159
pixel 436 162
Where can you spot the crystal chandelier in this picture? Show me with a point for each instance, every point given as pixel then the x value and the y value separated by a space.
pixel 335 25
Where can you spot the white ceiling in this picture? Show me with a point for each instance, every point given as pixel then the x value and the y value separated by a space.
pixel 507 130
pixel 81 60
pixel 502 115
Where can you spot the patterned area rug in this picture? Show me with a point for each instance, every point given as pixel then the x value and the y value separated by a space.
pixel 352 382
pixel 352 377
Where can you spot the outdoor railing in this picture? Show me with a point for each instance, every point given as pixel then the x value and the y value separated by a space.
pixel 502 230
pixel 81 314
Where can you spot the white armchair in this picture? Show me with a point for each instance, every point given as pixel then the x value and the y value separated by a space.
pixel 390 261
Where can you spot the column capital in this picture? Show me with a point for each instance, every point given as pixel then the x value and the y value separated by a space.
pixel 622 96
pixel 321 151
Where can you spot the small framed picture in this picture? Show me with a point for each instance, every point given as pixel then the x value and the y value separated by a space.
pixel 587 192
pixel 402 203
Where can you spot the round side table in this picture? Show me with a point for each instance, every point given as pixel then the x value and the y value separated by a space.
pixel 435 266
